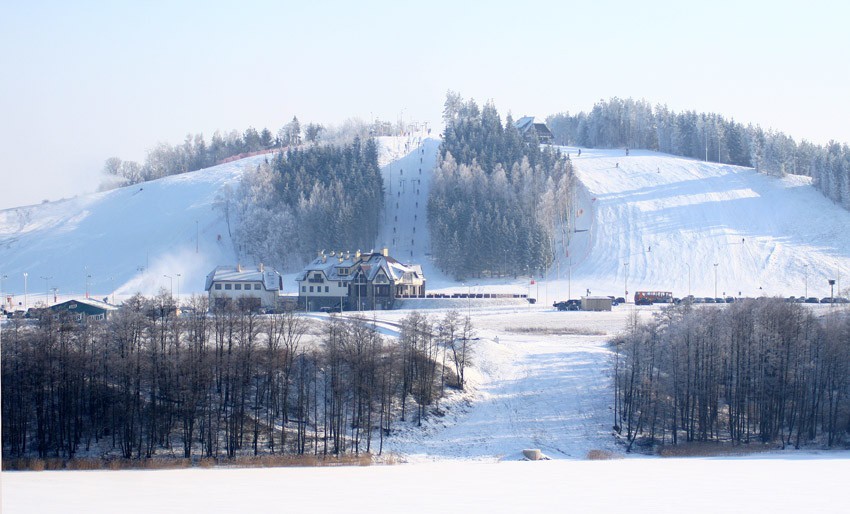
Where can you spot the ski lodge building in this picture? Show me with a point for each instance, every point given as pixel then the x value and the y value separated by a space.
pixel 359 281
pixel 253 287
pixel 527 127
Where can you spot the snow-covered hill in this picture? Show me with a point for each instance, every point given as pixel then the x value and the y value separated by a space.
pixel 643 221
pixel 125 240
pixel 660 222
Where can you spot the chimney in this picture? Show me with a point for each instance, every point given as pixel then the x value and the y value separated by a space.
pixel 357 256
pixel 385 252
pixel 333 253
pixel 324 258
pixel 262 268
pixel 238 267
pixel 347 255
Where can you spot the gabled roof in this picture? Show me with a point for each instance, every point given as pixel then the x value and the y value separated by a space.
pixel 91 302
pixel 268 276
pixel 524 123
pixel 370 264
pixel 527 123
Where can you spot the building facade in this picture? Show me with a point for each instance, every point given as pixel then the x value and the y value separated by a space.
pixel 83 310
pixel 358 281
pixel 251 287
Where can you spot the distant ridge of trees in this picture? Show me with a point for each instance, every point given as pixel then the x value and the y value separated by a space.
pixel 496 200
pixel 194 153
pixel 618 123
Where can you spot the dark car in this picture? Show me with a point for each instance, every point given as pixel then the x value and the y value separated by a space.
pixel 719 300
pixel 568 305
pixel 708 300
pixel 812 299
pixel 620 299
pixel 730 299
pixel 826 299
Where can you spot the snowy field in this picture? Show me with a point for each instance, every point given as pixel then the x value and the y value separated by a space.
pixel 776 484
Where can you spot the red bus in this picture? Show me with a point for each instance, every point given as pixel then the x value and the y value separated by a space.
pixel 650 297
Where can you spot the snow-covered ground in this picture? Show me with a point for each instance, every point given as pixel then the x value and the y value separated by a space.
pixel 540 376
pixel 772 483
pixel 124 241
pixel 529 389
pixel 658 222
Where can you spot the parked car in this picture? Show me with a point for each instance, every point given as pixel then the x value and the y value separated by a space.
pixel 812 299
pixel 730 299
pixel 568 305
pixel 620 299
pixel 708 300
pixel 719 300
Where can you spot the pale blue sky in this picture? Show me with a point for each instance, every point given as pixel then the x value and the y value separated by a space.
pixel 83 81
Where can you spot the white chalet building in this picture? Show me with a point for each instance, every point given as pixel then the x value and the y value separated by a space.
pixel 359 281
pixel 254 287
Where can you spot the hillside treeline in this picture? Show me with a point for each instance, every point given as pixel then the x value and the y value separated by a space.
pixel 758 371
pixel 195 154
pixel 496 201
pixel 147 383
pixel 317 198
pixel 632 123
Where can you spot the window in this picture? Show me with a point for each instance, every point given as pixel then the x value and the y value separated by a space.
pixel 228 287
pixel 311 289
pixel 238 287
pixel 327 289
pixel 256 287
pixel 339 284
pixel 303 289
pixel 218 286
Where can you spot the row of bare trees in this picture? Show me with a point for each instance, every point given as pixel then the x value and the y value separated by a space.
pixel 761 371
pixel 148 383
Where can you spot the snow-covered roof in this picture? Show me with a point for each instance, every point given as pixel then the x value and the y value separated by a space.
pixel 268 276
pixel 524 123
pixel 91 302
pixel 369 263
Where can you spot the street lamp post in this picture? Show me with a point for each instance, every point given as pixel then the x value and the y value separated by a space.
pixel 178 287
pixel 626 280
pixel 715 280
pixel 46 291
pixel 831 292
pixel 25 291
pixel 2 298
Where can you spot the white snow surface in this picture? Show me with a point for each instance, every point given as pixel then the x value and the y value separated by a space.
pixel 658 222
pixel 124 240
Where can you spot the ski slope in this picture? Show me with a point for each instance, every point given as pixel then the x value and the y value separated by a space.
pixel 658 222
pixel 121 241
